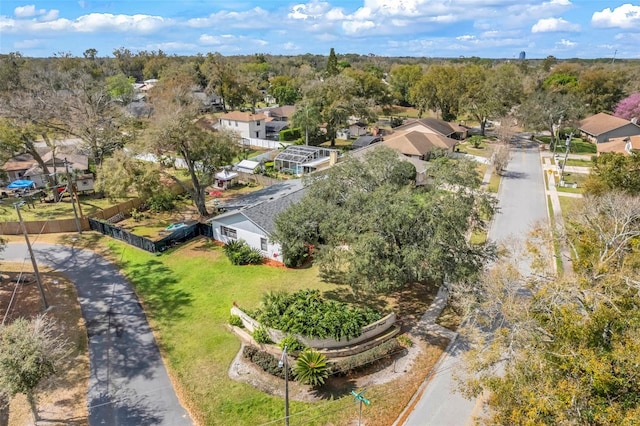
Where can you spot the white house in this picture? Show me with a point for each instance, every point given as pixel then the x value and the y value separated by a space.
pixel 247 125
pixel 255 223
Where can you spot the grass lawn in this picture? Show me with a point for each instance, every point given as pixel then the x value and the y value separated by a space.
pixel 340 143
pixel 579 163
pixel 187 294
pixel 569 205
pixel 494 183
pixel 578 178
pixel 578 146
pixel 61 210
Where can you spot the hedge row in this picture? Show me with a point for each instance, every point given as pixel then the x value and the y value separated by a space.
pixel 353 363
pixel 266 361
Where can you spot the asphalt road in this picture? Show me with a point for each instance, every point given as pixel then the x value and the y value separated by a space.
pixel 128 383
pixel 522 203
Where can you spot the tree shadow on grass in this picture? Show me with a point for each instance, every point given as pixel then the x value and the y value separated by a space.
pixel 156 284
pixel 335 387
pixel 346 295
pixel 412 301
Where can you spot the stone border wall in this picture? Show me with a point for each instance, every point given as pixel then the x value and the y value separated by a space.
pixel 368 332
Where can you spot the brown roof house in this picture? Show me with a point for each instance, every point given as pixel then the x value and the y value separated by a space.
pixel 628 145
pixel 435 126
pixel 418 144
pixel 247 125
pixel 25 167
pixel 602 127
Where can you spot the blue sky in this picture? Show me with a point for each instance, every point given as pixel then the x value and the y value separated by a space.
pixel 442 28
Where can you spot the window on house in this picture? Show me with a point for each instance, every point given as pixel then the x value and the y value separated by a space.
pixel 229 122
pixel 258 123
pixel 236 124
pixel 257 135
pixel 228 232
pixel 263 244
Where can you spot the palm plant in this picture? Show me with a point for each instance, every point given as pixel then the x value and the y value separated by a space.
pixel 311 368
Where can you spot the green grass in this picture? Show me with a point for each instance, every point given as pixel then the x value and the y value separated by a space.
pixel 578 178
pixel 478 237
pixel 494 183
pixel 579 163
pixel 483 149
pixel 556 245
pixel 569 205
pixel 578 146
pixel 187 296
pixel 60 210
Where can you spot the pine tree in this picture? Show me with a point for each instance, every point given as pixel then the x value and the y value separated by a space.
pixel 332 64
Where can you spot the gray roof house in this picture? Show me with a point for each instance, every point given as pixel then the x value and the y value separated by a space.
pixel 255 223
pixel 602 127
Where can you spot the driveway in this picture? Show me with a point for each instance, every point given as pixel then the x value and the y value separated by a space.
pixel 522 203
pixel 128 383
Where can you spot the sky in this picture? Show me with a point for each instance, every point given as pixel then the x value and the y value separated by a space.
pixel 422 28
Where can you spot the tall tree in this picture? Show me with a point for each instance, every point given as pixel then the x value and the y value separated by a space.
pixel 307 117
pixel 544 110
pixel 440 89
pixel 553 351
pixel 491 93
pixel 402 78
pixel 175 136
pixel 378 232
pixel 29 353
pixel 332 64
pixel 601 89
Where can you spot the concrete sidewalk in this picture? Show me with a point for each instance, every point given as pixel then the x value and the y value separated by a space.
pixel 128 383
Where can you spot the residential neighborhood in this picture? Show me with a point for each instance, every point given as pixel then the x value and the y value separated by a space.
pixel 327 238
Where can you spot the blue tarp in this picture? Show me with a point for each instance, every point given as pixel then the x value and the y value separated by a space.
pixel 19 184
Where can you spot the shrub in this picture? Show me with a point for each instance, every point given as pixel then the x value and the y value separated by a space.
pixel 307 313
pixel 405 341
pixel 289 135
pixel 355 362
pixel 292 344
pixel 266 361
pixel 137 215
pixel 311 368
pixel 235 321
pixel 260 335
pixel 475 140
pixel 162 201
pixel 239 253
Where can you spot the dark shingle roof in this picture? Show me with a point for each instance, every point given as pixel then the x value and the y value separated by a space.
pixel 363 141
pixel 264 214
pixel 276 126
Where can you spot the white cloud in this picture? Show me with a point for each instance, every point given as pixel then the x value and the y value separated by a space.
pixel 51 15
pixel 566 43
pixel 290 46
pixel 25 11
pixel 550 25
pixel 626 16
pixel 466 37
pixel 253 18
pixel 96 22
pixel 353 27
pixel 215 40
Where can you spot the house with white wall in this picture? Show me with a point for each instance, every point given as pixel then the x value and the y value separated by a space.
pixel 247 125
pixel 255 223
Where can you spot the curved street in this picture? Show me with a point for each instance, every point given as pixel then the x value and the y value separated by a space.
pixel 128 383
pixel 522 203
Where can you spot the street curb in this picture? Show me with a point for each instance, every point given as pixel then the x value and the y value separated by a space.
pixel 418 394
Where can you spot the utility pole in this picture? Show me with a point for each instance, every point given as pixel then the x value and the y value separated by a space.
pixel 566 154
pixel 73 197
pixel 284 362
pixel 33 259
